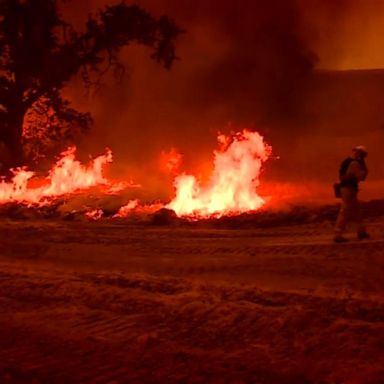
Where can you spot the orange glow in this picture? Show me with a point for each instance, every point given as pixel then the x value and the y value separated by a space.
pixel 68 175
pixel 233 183
pixel 170 161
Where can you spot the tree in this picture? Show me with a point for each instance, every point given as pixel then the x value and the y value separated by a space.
pixel 40 52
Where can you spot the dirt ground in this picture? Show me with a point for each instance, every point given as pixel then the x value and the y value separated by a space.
pixel 113 302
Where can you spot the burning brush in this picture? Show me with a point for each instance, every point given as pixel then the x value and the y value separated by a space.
pixel 231 189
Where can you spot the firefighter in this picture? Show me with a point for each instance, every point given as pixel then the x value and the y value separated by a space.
pixel 352 171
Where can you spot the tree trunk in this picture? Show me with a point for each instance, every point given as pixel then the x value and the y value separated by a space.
pixel 11 152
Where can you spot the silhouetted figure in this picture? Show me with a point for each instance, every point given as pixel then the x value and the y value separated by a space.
pixel 352 171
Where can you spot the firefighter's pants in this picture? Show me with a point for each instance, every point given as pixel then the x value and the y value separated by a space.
pixel 349 211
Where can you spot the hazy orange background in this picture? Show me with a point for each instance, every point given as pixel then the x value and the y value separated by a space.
pixel 281 67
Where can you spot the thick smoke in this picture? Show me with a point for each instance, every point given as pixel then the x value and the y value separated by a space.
pixel 240 62
pixel 249 63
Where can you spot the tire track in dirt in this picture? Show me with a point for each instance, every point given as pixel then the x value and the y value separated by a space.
pixel 67 326
pixel 107 326
pixel 201 316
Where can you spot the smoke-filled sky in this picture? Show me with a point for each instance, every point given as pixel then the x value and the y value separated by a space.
pixel 344 34
pixel 246 63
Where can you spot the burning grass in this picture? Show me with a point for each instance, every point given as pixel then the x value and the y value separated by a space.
pixel 67 176
pixel 76 191
pixel 231 189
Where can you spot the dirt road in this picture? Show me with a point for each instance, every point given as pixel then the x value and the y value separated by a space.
pixel 118 303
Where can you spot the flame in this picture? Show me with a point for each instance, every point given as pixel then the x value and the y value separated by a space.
pixel 231 188
pixel 95 214
pixel 134 206
pixel 233 183
pixel 126 209
pixel 68 175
